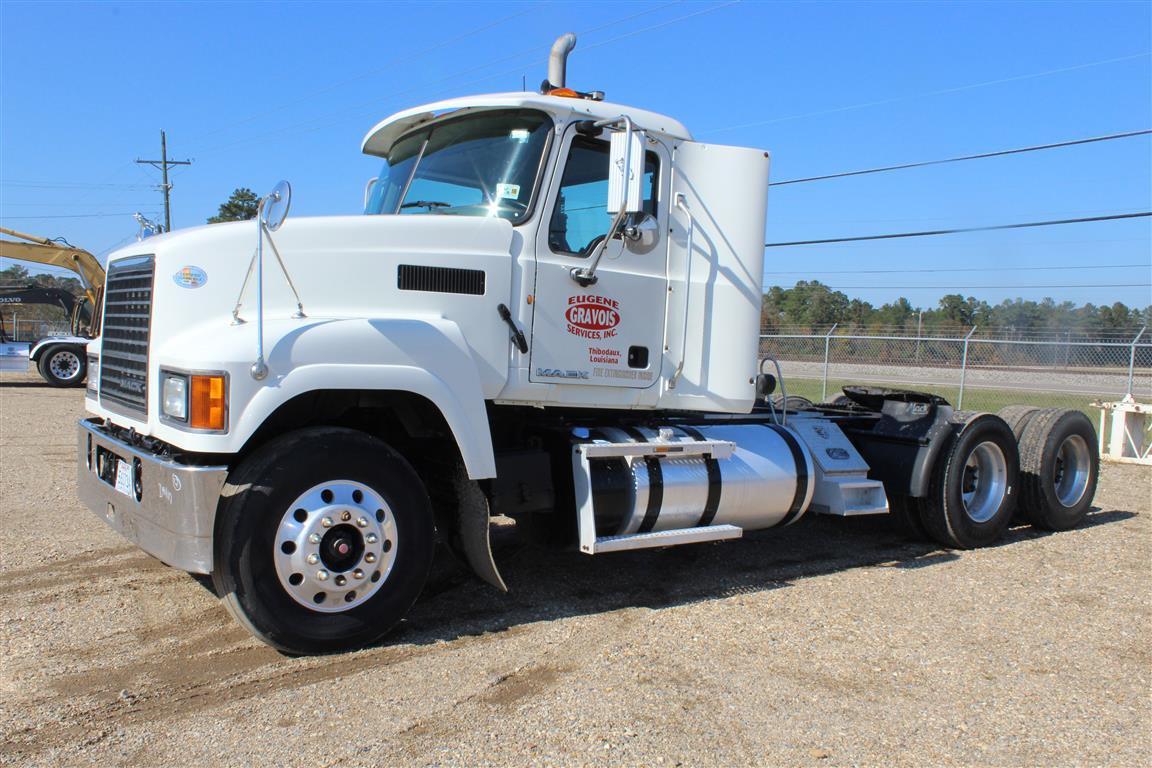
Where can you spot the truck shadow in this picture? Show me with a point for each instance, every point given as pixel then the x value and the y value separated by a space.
pixel 545 584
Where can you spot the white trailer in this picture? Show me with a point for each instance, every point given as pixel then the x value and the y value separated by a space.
pixel 549 311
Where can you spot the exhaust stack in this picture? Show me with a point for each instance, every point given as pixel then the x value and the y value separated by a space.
pixel 558 60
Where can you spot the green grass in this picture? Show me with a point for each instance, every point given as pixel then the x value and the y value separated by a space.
pixel 974 399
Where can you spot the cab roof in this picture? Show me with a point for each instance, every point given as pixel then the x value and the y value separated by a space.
pixel 380 139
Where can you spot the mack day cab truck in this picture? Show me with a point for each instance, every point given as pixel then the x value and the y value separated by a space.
pixel 550 311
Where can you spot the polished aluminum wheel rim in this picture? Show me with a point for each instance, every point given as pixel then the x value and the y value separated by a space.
pixel 335 546
pixel 985 482
pixel 1072 470
pixel 64 364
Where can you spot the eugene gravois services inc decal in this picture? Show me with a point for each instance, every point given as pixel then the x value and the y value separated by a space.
pixel 592 317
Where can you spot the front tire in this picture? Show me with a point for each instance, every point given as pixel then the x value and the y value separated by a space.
pixel 63 366
pixel 325 542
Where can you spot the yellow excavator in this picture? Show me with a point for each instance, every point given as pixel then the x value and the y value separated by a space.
pixel 61 360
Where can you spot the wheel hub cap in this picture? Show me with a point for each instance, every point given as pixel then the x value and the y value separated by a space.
pixel 985 482
pixel 335 546
pixel 1073 470
pixel 64 365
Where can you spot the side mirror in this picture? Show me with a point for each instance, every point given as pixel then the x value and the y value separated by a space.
pixel 371 185
pixel 641 233
pixel 274 208
pixel 626 172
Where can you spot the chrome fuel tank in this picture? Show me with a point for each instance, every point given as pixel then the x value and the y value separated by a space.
pixel 766 482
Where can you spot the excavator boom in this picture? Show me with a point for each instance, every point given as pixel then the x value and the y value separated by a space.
pixel 49 252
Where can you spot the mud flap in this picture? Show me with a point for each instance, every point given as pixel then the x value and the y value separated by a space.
pixel 475 544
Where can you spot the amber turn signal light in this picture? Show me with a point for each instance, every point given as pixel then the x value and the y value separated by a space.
pixel 208 403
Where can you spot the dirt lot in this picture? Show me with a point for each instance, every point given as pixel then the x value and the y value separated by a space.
pixel 823 645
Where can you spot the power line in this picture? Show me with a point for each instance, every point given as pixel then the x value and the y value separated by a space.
pixel 940 92
pixel 316 123
pixel 73 216
pixel 983 287
pixel 930 233
pixel 998 153
pixel 70 185
pixel 955 269
pixel 402 60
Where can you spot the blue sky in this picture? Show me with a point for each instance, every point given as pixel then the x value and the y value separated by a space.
pixel 255 92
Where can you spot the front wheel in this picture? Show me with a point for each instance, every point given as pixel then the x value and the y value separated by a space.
pixel 325 542
pixel 63 366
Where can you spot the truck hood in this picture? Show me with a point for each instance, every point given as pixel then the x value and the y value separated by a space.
pixel 342 266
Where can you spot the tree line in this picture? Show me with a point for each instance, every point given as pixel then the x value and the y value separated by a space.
pixel 811 306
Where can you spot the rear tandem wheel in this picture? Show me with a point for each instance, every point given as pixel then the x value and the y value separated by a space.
pixel 972 492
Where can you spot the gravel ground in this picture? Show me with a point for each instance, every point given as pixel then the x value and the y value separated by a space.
pixel 826 644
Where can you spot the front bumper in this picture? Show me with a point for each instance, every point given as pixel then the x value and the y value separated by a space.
pixel 166 508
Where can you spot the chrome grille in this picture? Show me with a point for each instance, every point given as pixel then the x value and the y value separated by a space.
pixel 127 317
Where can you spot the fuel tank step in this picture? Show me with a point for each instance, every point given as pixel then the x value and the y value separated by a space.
pixel 664 538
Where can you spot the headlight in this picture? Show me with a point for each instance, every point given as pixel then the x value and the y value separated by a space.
pixel 174 397
pixel 93 375
pixel 198 400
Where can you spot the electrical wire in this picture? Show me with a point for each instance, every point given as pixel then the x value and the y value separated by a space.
pixel 940 92
pixel 406 59
pixel 314 123
pixel 77 216
pixel 982 287
pixel 955 269
pixel 930 233
pixel 982 155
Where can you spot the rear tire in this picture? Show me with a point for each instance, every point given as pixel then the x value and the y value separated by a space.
pixel 1059 469
pixel 972 492
pixel 1018 417
pixel 63 366
pixel 325 542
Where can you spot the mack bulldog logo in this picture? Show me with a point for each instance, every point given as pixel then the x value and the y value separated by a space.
pixel 592 317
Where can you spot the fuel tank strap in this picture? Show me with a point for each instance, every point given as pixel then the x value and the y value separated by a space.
pixel 715 481
pixel 801 472
pixel 655 494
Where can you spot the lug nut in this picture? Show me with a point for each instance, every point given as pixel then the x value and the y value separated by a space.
pixel 345 516
pixel 370 557
pixel 314 538
pixel 371 538
pixel 362 522
pixel 313 559
pixel 322 575
pixel 358 574
pixel 341 581
pixel 326 522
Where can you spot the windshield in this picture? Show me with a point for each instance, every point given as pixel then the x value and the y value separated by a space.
pixel 482 164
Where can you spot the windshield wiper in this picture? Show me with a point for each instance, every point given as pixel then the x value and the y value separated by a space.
pixel 429 204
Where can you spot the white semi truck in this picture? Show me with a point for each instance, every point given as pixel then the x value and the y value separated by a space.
pixel 549 311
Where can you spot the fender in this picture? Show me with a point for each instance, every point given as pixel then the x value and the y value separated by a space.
pixel 42 345
pixel 428 357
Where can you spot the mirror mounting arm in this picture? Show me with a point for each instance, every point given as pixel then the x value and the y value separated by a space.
pixel 586 276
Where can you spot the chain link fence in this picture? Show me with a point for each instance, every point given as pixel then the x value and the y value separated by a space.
pixel 974 373
pixel 32 331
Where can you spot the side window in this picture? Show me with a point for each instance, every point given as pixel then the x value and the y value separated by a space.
pixel 580 216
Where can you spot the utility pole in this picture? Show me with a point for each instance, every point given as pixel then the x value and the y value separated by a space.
pixel 163 164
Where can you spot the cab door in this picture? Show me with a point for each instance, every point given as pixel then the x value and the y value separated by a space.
pixel 609 334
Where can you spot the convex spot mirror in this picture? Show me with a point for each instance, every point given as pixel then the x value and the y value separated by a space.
pixel 641 232
pixel 275 207
pixel 626 155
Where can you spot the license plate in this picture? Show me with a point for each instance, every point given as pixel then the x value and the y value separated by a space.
pixel 124 478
